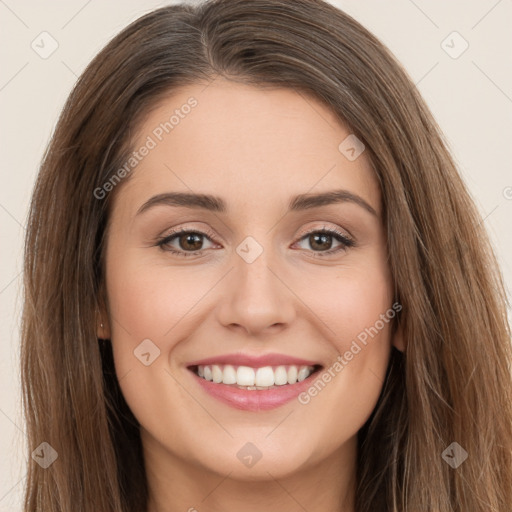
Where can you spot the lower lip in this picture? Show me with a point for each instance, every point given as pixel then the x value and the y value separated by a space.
pixel 254 400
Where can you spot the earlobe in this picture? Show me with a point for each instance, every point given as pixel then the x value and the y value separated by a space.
pixel 398 339
pixel 102 324
pixel 102 331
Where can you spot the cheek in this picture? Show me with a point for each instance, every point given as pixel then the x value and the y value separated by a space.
pixel 142 308
pixel 359 307
pixel 151 301
pixel 355 309
pixel 351 301
pixel 147 301
pixel 347 391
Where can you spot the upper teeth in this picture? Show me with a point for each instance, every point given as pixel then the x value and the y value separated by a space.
pixel 261 377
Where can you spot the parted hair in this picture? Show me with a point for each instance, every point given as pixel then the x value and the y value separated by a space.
pixel 451 384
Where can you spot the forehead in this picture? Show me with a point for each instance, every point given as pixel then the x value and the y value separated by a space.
pixel 254 145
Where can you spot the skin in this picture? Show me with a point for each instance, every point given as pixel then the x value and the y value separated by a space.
pixel 255 148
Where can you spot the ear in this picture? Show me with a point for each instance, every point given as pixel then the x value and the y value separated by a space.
pixel 102 318
pixel 398 338
pixel 102 327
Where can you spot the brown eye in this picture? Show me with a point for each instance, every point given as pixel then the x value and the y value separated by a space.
pixel 190 241
pixel 320 241
pixel 184 242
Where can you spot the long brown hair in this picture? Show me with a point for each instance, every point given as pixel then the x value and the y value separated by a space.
pixel 452 384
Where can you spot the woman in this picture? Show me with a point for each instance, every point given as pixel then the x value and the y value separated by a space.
pixel 254 279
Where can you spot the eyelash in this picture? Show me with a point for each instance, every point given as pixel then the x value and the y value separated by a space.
pixel 338 235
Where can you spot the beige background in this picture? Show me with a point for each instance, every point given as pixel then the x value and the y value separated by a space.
pixel 470 96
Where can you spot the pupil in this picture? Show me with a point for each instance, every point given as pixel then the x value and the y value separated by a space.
pixel 323 239
pixel 190 238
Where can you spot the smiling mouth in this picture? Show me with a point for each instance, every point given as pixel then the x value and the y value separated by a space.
pixel 254 379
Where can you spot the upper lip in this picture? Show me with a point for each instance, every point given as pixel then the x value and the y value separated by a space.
pixel 254 361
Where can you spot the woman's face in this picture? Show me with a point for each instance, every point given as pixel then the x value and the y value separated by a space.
pixel 252 283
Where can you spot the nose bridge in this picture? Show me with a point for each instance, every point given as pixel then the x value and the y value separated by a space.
pixel 255 298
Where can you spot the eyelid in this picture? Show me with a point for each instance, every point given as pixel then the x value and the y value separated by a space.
pixel 324 227
pixel 206 233
pixel 345 240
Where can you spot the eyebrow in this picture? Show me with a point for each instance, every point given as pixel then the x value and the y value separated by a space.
pixel 217 204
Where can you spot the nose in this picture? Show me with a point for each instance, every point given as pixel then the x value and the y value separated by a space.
pixel 255 297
